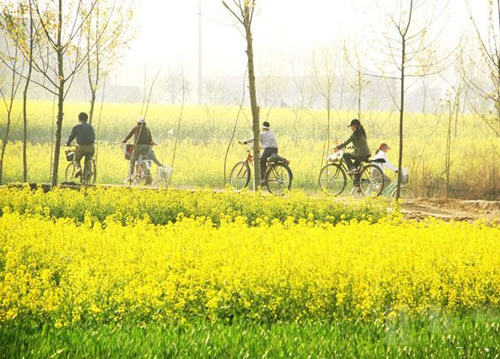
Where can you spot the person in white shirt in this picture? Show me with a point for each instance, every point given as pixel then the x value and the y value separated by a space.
pixel 270 146
pixel 383 162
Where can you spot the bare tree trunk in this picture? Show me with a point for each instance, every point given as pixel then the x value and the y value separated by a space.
pixel 401 116
pixel 60 97
pixel 253 103
pixel 92 104
pixel 4 142
pixel 57 147
pixel 328 115
pixel 448 150
pixel 360 93
pixel 25 98
pixel 25 124
pixel 93 84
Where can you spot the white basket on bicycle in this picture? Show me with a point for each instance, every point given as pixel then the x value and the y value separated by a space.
pixel 404 175
pixel 335 157
pixel 164 172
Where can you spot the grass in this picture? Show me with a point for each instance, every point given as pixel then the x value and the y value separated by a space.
pixel 472 335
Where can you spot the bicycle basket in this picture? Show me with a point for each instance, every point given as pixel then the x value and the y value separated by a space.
pixel 70 155
pixel 128 151
pixel 335 157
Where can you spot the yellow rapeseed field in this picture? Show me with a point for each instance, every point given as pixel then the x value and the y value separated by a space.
pixel 53 270
pixel 205 133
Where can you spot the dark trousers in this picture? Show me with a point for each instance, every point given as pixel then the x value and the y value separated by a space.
pixel 263 160
pixel 353 161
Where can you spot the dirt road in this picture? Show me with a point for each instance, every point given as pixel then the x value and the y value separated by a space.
pixel 450 209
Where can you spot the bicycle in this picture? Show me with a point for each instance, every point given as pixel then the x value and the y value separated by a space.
pixel 278 177
pixel 405 190
pixel 89 173
pixel 368 178
pixel 142 169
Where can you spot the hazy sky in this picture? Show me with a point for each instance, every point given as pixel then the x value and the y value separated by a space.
pixel 286 31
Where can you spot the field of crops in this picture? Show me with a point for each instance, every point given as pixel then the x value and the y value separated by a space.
pixel 205 133
pixel 138 273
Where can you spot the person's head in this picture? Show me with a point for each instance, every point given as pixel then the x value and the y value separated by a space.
pixel 83 117
pixel 265 126
pixel 141 121
pixel 384 147
pixel 356 126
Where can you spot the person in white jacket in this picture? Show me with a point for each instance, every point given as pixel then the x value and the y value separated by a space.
pixel 383 162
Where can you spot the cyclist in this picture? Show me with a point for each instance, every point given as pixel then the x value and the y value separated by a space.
pixel 142 142
pixel 270 146
pixel 383 162
pixel 361 150
pixel 85 138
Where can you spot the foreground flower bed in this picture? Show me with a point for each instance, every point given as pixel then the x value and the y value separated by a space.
pixel 62 273
pixel 161 207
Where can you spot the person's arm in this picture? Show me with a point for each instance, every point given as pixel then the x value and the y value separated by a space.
pixel 92 134
pixel 151 142
pixel 71 136
pixel 342 145
pixel 130 134
pixel 389 164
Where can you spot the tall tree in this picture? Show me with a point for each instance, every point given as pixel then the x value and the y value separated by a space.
pixel 62 23
pixel 243 11
pixel 60 40
pixel 409 53
pixel 21 31
pixel 14 63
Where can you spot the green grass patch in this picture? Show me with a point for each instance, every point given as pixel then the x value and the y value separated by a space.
pixel 441 336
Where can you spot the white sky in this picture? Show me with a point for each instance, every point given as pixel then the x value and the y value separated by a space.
pixel 285 31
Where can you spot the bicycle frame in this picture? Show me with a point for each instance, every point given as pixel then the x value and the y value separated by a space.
pixel 392 187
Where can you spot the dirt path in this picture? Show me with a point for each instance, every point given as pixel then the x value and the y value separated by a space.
pixel 449 209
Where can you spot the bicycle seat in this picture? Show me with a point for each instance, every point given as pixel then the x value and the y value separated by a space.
pixel 378 160
pixel 275 158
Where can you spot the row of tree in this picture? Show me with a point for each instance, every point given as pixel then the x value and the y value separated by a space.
pixel 49 43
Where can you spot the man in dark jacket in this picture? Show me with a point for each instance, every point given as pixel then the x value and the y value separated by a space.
pixel 85 138
pixel 142 141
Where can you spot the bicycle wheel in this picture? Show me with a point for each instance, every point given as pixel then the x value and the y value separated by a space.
pixel 70 173
pixel 240 176
pixel 89 172
pixel 405 192
pixel 278 178
pixel 332 179
pixel 371 180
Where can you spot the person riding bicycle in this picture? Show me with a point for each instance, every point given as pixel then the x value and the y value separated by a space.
pixel 383 162
pixel 270 146
pixel 361 150
pixel 85 138
pixel 142 142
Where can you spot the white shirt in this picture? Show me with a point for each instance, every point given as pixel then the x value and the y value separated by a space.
pixel 268 140
pixel 387 164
